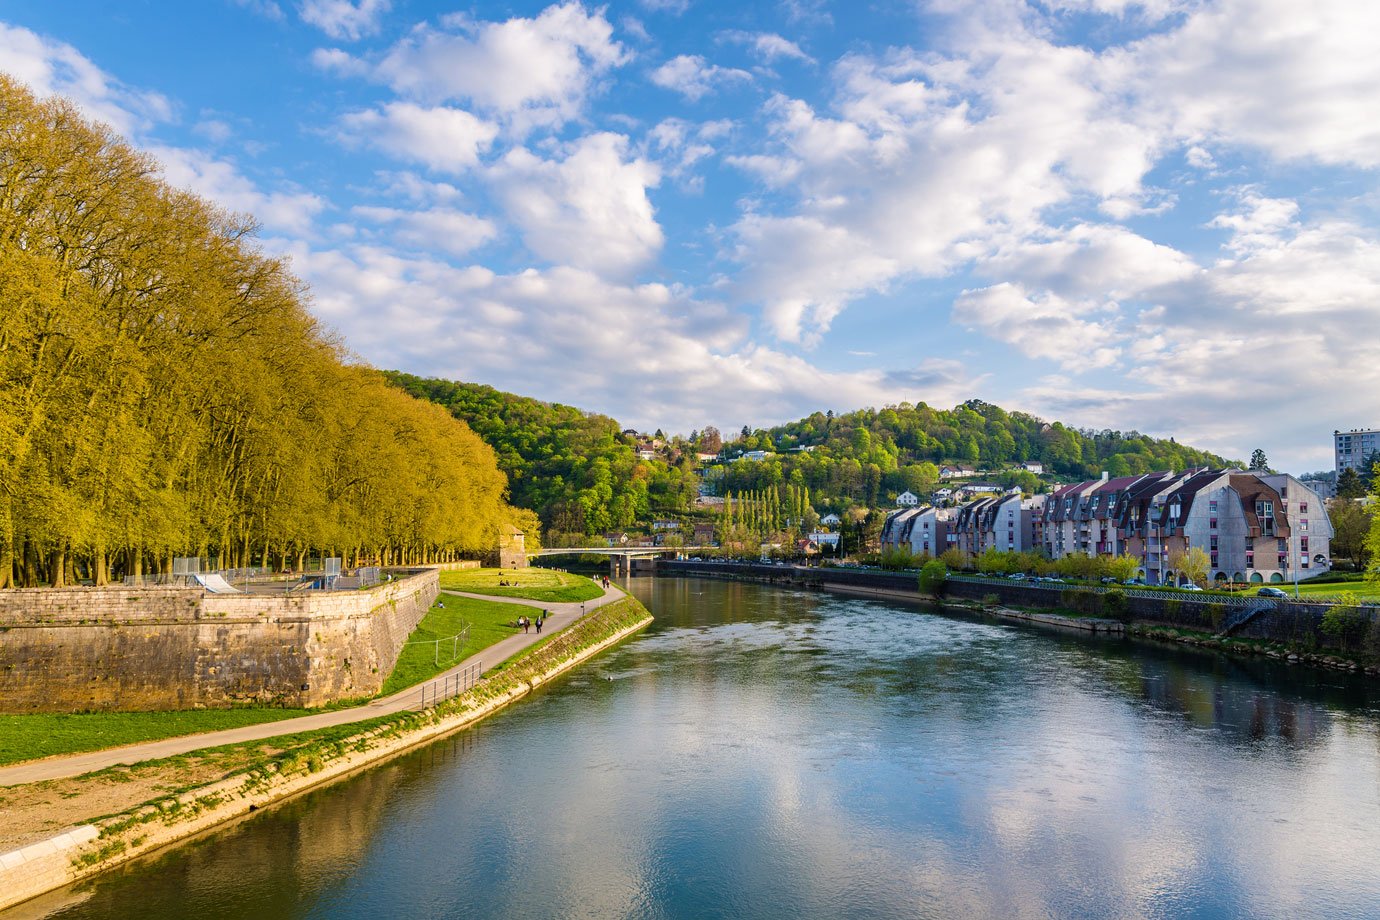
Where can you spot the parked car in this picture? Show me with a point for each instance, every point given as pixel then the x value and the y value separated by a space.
pixel 1016 577
pixel 1271 592
pixel 1108 579
pixel 1134 581
pixel 1190 587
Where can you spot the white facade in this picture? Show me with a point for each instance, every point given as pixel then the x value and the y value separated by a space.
pixel 907 499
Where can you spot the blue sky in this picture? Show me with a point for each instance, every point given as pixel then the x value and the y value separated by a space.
pixel 1158 215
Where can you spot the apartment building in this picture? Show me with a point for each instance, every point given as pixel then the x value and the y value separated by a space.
pixel 1005 522
pixel 1255 527
pixel 919 531
pixel 1353 448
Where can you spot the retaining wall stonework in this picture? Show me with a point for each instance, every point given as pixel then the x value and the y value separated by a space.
pixel 128 649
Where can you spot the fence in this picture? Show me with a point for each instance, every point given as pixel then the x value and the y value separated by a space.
pixel 443 688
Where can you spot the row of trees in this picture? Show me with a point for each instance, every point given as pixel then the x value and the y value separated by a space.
pixel 165 392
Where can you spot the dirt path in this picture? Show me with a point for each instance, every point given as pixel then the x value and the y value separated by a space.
pixel 561 615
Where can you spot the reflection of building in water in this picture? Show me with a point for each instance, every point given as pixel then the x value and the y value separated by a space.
pixel 1233 706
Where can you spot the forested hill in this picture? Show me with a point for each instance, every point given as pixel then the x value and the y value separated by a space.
pixel 583 476
pixel 573 468
pixel 870 455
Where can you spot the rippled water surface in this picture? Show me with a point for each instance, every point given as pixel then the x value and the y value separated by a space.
pixel 762 752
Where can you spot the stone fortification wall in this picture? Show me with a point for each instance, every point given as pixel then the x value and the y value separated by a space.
pixel 80 649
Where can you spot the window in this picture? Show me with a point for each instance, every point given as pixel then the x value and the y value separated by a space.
pixel 1214 560
pixel 1283 545
pixel 1250 559
pixel 1303 545
pixel 1212 523
pixel 1283 561
pixel 1303 526
pixel 1303 561
pixel 1212 543
pixel 1303 507
pixel 1212 506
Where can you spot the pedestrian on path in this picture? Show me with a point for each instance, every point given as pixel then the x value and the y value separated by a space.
pixel 540 620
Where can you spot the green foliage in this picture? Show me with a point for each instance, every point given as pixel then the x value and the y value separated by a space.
pixel 164 390
pixel 1114 605
pixel 869 456
pixel 575 469
pixel 1345 622
pixel 933 578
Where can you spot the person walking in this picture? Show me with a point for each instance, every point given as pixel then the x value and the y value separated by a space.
pixel 541 619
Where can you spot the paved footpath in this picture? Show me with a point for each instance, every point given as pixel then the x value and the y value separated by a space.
pixel 560 616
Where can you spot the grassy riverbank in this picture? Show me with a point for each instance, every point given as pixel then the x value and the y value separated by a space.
pixel 422 658
pixel 532 584
pixel 152 804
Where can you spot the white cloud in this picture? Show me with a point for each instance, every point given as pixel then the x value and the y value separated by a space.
pixel 694 77
pixel 768 45
pixel 443 138
pixel 589 209
pixel 265 8
pixel 1042 326
pixel 526 71
pixel 341 63
pixel 288 211
pixel 649 354
pixel 345 20
pixel 55 68
pixel 437 229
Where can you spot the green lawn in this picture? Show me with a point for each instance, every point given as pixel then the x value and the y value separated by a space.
pixel 489 621
pixel 43 734
pixel 1364 591
pixel 533 584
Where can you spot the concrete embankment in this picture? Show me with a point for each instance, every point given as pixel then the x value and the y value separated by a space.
pixel 96 847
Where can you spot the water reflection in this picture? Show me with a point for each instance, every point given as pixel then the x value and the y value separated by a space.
pixel 769 753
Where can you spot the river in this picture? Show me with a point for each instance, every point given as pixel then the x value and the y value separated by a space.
pixel 768 752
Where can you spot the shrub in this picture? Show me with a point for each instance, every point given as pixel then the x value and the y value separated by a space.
pixel 1344 622
pixel 1217 613
pixel 932 578
pixel 1114 606
pixel 991 600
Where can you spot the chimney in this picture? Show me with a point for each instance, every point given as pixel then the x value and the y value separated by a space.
pixel 1104 476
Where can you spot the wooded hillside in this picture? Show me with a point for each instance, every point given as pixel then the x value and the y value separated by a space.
pixel 164 391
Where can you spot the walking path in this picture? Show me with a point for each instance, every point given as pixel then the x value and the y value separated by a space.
pixel 560 616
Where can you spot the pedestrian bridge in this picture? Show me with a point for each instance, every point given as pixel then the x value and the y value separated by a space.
pixel 620 557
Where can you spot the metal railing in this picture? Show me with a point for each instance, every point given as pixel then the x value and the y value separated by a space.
pixel 451 685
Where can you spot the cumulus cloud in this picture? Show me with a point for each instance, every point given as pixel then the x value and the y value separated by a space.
pixel 649 354
pixel 290 210
pixel 694 77
pixel 1042 326
pixel 588 209
pixel 436 229
pixel 443 138
pixel 527 71
pixel 345 20
pixel 51 68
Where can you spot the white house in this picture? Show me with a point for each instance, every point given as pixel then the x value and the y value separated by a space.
pixel 907 499
pixel 831 520
pixel 757 455
pixel 821 538
pixel 956 472
pixel 1033 466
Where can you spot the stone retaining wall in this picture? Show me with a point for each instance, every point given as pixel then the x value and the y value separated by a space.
pixel 128 649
